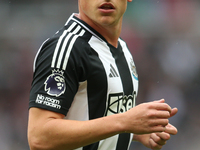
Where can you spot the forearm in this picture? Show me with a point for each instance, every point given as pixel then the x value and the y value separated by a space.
pixel 73 134
pixel 60 134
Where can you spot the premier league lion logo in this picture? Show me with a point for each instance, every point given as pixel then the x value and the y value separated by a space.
pixel 55 83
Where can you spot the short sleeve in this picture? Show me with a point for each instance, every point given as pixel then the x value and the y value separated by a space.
pixel 52 87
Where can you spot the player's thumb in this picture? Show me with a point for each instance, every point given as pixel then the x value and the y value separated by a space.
pixel 171 129
pixel 174 112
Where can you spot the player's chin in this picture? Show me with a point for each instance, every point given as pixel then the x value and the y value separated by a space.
pixel 107 21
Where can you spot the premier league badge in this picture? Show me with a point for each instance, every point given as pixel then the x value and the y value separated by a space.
pixel 55 83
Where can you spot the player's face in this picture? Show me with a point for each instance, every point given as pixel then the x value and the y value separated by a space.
pixel 102 12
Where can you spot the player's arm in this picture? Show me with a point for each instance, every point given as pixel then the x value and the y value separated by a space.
pixel 48 130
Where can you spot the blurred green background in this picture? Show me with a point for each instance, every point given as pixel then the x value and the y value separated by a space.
pixel 163 36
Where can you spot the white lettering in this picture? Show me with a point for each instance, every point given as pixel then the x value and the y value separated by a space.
pixel 48 101
pixel 51 104
pixel 129 104
pixel 38 101
pixel 52 100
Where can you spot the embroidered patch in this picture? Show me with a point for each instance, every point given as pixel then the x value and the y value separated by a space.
pixel 133 69
pixel 55 83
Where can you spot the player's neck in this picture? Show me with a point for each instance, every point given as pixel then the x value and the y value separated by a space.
pixel 110 33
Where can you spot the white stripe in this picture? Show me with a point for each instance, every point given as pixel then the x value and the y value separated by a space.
pixel 70 48
pixel 81 148
pixel 109 143
pixel 131 139
pixel 57 48
pixel 129 57
pixel 79 110
pixel 72 15
pixel 64 46
pixel 59 42
pixel 88 29
pixel 114 84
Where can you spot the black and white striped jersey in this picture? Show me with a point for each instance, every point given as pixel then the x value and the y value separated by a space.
pixel 79 74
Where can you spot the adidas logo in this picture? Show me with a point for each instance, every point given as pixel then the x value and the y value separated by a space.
pixel 113 72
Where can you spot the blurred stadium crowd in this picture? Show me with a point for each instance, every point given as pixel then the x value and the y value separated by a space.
pixel 163 36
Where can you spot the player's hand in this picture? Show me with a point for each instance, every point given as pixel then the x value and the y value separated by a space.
pixel 158 140
pixel 149 117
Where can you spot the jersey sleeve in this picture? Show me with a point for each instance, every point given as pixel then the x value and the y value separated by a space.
pixel 54 87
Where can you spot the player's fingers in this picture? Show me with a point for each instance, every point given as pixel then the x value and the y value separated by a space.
pixel 157 128
pixel 161 106
pixel 171 129
pixel 159 122
pixel 163 137
pixel 160 138
pixel 162 114
pixel 159 101
pixel 154 145
pixel 173 112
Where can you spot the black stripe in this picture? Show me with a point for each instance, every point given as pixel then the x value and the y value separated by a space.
pixel 97 87
pixel 124 71
pixel 92 146
pixel 127 83
pixel 123 141
pixel 96 96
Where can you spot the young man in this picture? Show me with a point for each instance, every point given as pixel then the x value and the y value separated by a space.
pixel 86 73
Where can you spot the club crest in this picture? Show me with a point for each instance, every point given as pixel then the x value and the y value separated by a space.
pixel 133 69
pixel 55 83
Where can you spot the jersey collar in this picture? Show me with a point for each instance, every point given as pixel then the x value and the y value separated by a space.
pixel 87 27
